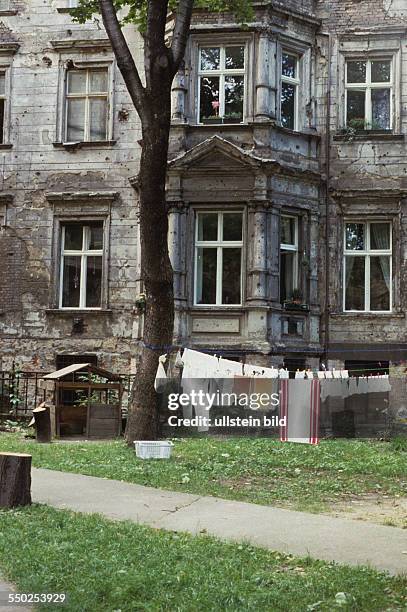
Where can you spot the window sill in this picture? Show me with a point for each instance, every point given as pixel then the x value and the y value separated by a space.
pixel 78 312
pixel 369 135
pixel 64 9
pixel 5 146
pixel 217 308
pixel 368 315
pixel 217 125
pixel 309 133
pixel 74 146
pixel 8 13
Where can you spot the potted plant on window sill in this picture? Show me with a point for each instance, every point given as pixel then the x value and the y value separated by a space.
pixel 359 127
pixel 295 302
pixel 216 119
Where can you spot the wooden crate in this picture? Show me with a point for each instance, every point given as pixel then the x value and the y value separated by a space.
pixel 104 421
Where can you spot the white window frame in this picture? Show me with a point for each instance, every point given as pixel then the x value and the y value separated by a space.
pixel 87 96
pixel 83 254
pixel 3 72
pixel 368 86
pixel 222 73
pixel 292 248
pixel 296 82
pixel 367 253
pixel 219 244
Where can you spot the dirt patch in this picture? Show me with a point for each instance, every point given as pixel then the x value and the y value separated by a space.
pixel 375 508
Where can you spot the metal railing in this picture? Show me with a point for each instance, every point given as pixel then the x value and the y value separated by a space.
pixel 21 392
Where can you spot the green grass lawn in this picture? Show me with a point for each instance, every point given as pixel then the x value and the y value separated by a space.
pixel 111 566
pixel 262 471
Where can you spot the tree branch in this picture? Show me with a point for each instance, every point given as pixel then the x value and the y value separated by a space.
pixel 181 30
pixel 123 54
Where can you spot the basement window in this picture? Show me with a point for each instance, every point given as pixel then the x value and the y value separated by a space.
pixel 87 105
pixel 369 88
pixel 218 258
pixel 81 265
pixel 221 88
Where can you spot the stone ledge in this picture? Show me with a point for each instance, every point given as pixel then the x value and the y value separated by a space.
pixel 5 145
pixel 74 146
pixel 8 13
pixel 80 196
pixel 384 137
pixel 66 312
pixel 368 315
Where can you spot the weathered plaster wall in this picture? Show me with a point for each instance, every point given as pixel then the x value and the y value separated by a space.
pixel 32 168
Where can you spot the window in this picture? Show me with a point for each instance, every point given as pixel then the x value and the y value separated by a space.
pixel 87 105
pixel 81 265
pixel 2 106
pixel 218 258
pixel 288 257
pixel 368 266
pixel 369 85
pixel 289 90
pixel 221 84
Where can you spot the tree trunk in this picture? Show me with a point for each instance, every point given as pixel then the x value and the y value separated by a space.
pixel 15 480
pixel 42 418
pixel 156 269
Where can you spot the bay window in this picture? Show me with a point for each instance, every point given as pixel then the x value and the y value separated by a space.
pixel 221 85
pixel 369 87
pixel 81 265
pixel 87 105
pixel 368 266
pixel 218 258
pixel 290 83
pixel 288 257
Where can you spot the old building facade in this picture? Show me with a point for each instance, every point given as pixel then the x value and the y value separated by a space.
pixel 286 187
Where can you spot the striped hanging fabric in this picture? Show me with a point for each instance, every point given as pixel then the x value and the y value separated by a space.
pixel 300 407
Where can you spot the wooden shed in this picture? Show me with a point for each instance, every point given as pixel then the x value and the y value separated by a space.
pixel 87 401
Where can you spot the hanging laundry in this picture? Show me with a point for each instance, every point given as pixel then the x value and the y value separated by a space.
pixel 199 371
pixel 300 405
pixel 161 376
pixel 378 384
pixel 300 374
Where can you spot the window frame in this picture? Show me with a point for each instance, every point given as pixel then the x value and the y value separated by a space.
pixel 219 244
pixel 222 73
pixel 3 98
pixel 89 66
pixel 367 253
pixel 291 248
pixel 83 254
pixel 368 86
pixel 5 68
pixel 296 82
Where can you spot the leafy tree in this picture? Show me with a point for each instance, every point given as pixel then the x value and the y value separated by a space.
pixel 151 97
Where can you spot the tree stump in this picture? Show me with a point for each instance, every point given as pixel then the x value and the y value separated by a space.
pixel 15 480
pixel 42 419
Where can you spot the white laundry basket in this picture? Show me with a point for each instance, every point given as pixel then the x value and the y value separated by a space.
pixel 153 449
